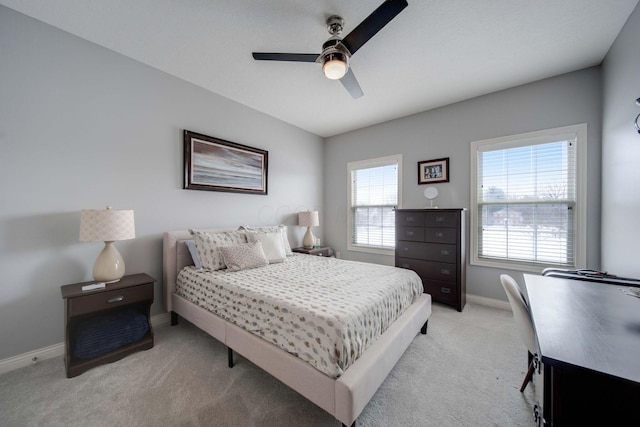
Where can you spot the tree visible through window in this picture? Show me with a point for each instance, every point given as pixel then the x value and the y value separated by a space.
pixel 373 197
pixel 526 201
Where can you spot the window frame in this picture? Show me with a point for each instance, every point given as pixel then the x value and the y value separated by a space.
pixel 395 159
pixel 579 132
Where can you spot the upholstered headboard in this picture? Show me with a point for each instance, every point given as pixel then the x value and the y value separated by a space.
pixel 175 256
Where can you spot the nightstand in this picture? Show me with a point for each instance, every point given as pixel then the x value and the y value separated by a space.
pixel 321 251
pixel 105 325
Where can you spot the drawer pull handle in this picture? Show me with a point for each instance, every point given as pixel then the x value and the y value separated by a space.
pixel 406 248
pixel 445 252
pixel 439 219
pixel 445 290
pixel 439 234
pixel 410 219
pixel 445 271
pixel 409 233
pixel 115 299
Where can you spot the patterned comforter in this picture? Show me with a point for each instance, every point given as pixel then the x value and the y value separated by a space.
pixel 325 311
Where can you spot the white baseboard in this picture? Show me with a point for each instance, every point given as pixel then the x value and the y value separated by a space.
pixel 490 302
pixel 56 350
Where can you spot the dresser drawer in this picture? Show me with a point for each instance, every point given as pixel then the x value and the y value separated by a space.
pixel 426 251
pixel 441 235
pixel 415 234
pixel 440 291
pixel 109 299
pixel 441 219
pixel 430 269
pixel 410 219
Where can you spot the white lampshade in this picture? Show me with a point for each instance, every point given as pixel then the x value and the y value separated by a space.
pixel 308 219
pixel 107 225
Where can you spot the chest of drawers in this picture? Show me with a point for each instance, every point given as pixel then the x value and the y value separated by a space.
pixel 431 242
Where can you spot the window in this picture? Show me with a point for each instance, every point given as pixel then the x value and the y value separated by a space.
pixel 527 200
pixel 374 194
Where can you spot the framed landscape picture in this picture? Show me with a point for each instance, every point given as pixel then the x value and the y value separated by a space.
pixel 214 164
pixel 433 171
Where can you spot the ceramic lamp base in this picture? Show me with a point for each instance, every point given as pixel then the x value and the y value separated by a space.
pixel 109 266
pixel 309 239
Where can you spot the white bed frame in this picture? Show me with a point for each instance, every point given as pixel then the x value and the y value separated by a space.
pixel 344 397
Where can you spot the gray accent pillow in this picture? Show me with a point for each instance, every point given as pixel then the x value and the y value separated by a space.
pixel 244 256
pixel 191 245
pixel 208 246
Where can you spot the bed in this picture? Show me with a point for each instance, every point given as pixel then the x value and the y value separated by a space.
pixel 343 393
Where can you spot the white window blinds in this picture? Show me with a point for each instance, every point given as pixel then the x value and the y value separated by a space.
pixel 527 201
pixel 374 197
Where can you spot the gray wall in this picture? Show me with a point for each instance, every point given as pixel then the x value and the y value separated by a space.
pixel 621 153
pixel 447 132
pixel 83 127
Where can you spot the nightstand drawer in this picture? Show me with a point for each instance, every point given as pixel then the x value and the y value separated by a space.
pixel 322 252
pixel 109 299
pixel 325 251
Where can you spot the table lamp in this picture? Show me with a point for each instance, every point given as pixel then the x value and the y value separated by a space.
pixel 308 219
pixel 107 225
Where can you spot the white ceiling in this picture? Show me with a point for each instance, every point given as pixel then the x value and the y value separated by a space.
pixel 433 53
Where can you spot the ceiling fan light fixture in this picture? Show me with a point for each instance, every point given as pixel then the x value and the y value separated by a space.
pixel 334 65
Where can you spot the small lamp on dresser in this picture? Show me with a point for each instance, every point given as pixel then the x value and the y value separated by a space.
pixel 308 219
pixel 107 225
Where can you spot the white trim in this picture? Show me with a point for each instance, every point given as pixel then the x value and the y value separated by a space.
pixel 32 357
pixel 56 350
pixel 580 246
pixel 489 302
pixel 371 163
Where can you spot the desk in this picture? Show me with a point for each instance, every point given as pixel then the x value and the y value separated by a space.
pixel 589 344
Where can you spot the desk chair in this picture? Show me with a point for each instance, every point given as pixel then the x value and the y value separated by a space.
pixel 523 321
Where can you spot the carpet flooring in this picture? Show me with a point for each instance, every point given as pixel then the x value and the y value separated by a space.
pixel 466 371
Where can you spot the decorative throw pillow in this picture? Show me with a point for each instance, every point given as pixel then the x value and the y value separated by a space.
pixel 208 246
pixel 282 229
pixel 244 256
pixel 191 245
pixel 272 245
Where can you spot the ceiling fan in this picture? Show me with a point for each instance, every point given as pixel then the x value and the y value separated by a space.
pixel 337 52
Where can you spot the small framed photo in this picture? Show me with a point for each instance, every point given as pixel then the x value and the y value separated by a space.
pixel 433 171
pixel 217 165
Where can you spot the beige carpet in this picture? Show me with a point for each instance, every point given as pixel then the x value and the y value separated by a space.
pixel 465 372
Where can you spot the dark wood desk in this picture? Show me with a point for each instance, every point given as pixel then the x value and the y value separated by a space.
pixel 589 344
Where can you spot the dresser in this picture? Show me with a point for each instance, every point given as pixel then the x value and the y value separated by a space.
pixel 432 243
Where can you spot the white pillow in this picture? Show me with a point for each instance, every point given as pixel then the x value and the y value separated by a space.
pixel 208 246
pixel 282 229
pixel 272 245
pixel 244 256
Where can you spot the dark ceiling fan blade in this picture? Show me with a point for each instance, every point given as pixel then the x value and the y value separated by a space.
pixel 372 24
pixel 297 57
pixel 351 84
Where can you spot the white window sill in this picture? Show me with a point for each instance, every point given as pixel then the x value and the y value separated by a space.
pixel 372 250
